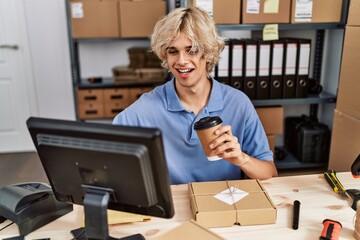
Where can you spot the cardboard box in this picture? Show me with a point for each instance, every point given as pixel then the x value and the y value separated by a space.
pixel 135 93
pixel 115 100
pixel 349 84
pixel 138 18
pixel 188 231
pixel 89 96
pixel 345 141
pixel 354 13
pixel 316 11
pixel 266 11
pixel 272 119
pixel 209 209
pixel 94 18
pixel 271 140
pixel 91 110
pixel 223 12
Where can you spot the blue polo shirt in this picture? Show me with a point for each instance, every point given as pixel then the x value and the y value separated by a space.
pixel 186 160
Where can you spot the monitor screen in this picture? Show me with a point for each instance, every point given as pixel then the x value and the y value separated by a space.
pixel 123 165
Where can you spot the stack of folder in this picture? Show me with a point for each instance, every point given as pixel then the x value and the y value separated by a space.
pixel 266 69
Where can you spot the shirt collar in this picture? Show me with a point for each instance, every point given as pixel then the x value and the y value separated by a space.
pixel 215 101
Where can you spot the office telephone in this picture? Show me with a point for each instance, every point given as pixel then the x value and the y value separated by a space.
pixel 30 205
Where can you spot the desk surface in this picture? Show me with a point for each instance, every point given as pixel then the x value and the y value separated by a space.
pixel 318 202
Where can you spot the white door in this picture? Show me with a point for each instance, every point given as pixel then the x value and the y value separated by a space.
pixel 17 94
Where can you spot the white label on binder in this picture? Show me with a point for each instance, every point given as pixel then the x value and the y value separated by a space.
pixel 207 5
pixel 250 61
pixel 237 60
pixel 290 59
pixel 304 59
pixel 264 61
pixel 77 10
pixel 253 6
pixel 223 66
pixel 231 195
pixel 303 10
pixel 277 59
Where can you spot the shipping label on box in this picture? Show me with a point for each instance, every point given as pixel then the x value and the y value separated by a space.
pixel 225 203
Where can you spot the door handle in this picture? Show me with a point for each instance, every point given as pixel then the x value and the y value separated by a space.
pixel 13 46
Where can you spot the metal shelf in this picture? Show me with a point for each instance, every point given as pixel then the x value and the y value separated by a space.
pixel 291 163
pixel 108 82
pixel 282 26
pixel 321 98
pixel 106 40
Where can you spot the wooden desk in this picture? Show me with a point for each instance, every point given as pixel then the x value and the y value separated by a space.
pixel 318 202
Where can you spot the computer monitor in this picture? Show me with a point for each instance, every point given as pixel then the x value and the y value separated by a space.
pixel 104 166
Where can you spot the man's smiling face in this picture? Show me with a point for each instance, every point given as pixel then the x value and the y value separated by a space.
pixel 186 64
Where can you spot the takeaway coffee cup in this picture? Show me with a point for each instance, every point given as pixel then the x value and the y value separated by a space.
pixel 205 129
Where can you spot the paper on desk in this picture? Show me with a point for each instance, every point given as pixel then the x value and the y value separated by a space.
pixel 117 217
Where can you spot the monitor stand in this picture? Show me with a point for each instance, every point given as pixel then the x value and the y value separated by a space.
pixel 96 201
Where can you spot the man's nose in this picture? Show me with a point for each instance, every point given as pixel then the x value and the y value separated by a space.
pixel 183 57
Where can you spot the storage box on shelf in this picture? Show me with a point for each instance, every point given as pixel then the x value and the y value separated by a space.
pixel 272 120
pixel 316 11
pixel 265 12
pixel 90 103
pixel 223 12
pixel 112 18
pixel 106 102
pixel 115 100
pixel 94 19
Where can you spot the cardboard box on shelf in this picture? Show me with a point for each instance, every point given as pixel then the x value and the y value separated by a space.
pixel 143 75
pixel 91 110
pixel 349 84
pixel 265 11
pixel 225 203
pixel 316 11
pixel 89 96
pixel 138 18
pixel 345 141
pixel 354 13
pixel 135 93
pixel 272 119
pixel 271 140
pixel 94 18
pixel 188 231
pixel 223 12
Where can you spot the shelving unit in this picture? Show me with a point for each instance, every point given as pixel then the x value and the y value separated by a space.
pixel 312 100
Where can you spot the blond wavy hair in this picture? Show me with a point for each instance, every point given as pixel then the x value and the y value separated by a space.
pixel 197 25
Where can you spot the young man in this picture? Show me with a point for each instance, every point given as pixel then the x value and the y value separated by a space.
pixel 187 43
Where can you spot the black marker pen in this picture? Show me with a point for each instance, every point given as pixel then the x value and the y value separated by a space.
pixel 296 214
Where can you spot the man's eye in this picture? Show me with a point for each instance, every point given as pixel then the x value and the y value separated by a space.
pixel 172 51
pixel 193 51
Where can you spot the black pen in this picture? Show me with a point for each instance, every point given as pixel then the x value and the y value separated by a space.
pixel 296 214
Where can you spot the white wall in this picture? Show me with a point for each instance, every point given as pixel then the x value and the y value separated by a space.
pixel 48 40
